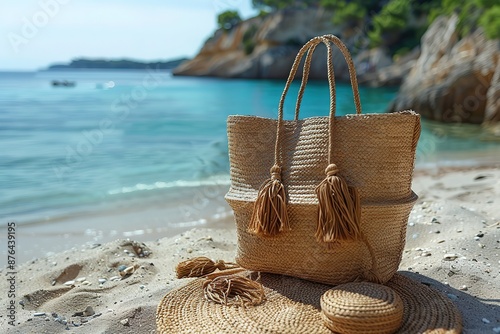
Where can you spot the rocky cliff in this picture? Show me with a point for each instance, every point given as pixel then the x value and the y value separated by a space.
pixel 261 47
pixel 265 47
pixel 446 79
pixel 454 80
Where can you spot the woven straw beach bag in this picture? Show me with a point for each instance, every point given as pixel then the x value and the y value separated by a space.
pixel 324 198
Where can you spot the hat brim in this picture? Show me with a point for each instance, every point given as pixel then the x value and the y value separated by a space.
pixel 292 305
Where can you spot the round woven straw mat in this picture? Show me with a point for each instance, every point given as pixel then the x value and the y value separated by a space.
pixel 293 306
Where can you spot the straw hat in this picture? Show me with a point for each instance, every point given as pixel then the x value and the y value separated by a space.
pixel 292 305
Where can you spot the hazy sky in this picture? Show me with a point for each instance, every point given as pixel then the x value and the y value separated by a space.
pixel 36 33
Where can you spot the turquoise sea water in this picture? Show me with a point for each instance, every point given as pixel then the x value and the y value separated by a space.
pixel 132 135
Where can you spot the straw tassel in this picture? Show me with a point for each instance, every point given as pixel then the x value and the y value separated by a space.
pixel 339 211
pixel 200 266
pixel 234 290
pixel 269 213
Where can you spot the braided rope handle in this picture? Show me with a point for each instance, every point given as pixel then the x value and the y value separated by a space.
pixel 350 65
pixel 309 48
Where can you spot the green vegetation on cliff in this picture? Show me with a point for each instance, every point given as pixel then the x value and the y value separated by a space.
pixel 348 12
pixel 471 14
pixel 273 5
pixel 490 21
pixel 391 20
pixel 397 25
pixel 228 19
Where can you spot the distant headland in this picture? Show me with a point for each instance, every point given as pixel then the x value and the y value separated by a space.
pixel 83 63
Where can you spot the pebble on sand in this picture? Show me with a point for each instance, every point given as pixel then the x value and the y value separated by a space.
pixel 450 257
pixel 125 322
pixel 89 311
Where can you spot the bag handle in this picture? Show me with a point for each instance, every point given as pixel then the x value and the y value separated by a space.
pixel 350 65
pixel 310 47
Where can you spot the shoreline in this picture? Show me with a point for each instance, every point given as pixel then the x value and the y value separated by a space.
pixel 164 214
pixel 145 219
pixel 452 245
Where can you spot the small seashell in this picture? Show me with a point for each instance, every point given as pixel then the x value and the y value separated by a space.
pixel 128 271
pixel 89 311
pixel 426 253
pixel 39 314
pixel 122 267
pixel 81 279
pixel 102 280
pixel 450 257
pixel 464 288
pixel 486 321
pixel 69 283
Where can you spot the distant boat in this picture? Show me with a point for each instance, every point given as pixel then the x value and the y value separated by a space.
pixel 106 85
pixel 64 83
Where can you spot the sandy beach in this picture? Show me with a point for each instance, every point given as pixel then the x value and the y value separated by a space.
pixel 453 245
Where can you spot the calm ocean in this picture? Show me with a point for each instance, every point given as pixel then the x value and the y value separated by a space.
pixel 132 135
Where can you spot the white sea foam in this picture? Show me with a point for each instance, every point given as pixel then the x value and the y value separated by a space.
pixel 216 180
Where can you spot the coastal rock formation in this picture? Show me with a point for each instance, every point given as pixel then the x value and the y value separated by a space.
pixel 261 47
pixel 492 113
pixel 375 67
pixel 453 80
pixel 265 47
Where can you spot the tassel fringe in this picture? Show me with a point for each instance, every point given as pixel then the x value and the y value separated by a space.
pixel 234 290
pixel 339 211
pixel 270 214
pixel 200 266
